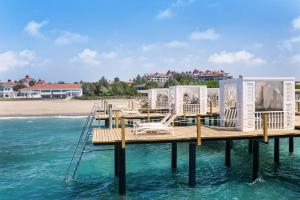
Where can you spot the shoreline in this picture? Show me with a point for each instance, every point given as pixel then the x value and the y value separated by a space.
pixel 44 108
pixel 46 115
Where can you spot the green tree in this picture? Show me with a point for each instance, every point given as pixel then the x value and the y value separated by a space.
pixel 139 79
pixel 103 82
pixel 210 83
pixel 171 82
pixel 32 82
pixel 116 79
pixel 18 87
pixel 151 84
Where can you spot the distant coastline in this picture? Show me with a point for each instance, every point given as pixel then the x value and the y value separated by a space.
pixel 45 108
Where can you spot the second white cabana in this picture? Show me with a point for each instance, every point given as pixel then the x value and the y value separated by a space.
pixel 243 102
pixel 158 98
pixel 187 99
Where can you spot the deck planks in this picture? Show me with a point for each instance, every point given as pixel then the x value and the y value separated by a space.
pixel 110 136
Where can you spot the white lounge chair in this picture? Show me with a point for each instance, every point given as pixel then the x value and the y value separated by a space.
pixel 163 120
pixel 156 127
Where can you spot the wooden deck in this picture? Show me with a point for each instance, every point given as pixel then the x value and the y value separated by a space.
pixel 187 133
pixel 151 115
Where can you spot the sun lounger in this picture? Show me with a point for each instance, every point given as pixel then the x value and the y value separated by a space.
pixel 157 127
pixel 163 120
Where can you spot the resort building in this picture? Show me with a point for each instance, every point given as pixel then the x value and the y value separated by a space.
pixel 157 77
pixel 244 101
pixel 6 89
pixel 52 91
pixel 209 75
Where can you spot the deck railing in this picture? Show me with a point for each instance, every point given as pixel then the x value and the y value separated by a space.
pixel 162 105
pixel 275 120
pixel 191 109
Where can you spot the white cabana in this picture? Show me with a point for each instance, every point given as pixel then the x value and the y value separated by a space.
pixel 243 102
pixel 186 99
pixel 158 98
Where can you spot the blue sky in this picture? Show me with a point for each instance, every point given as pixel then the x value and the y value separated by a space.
pixel 84 40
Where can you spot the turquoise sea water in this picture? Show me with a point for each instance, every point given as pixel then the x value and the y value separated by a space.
pixel 34 155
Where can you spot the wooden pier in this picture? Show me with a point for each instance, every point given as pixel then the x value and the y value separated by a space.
pixel 194 136
pixel 183 134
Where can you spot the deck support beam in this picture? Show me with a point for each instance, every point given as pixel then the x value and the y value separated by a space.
pixel 192 164
pixel 174 156
pixel 276 150
pixel 110 116
pixel 106 123
pixel 291 144
pixel 250 146
pixel 255 160
pixel 122 171
pixel 117 151
pixel 228 153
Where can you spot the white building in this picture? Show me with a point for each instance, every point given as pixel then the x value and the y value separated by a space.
pixel 52 91
pixel 6 90
pixel 157 77
pixel 187 99
pixel 158 98
pixel 244 100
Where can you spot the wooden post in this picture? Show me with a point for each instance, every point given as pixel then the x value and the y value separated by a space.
pixel 110 115
pixel 123 132
pixel 276 150
pixel 184 110
pixel 148 113
pixel 106 122
pixel 265 128
pixel 122 161
pixel 117 119
pixel 105 107
pixel 227 153
pixel 192 164
pixel 250 146
pixel 291 144
pixel 255 160
pixel 210 107
pixel 117 151
pixel 198 130
pixel 122 171
pixel 298 106
pixel 174 156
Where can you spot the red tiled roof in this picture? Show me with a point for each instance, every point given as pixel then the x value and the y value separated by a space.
pixel 7 84
pixel 56 86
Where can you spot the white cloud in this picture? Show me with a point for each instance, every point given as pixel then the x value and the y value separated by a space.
pixel 88 56
pixel 176 44
pixel 149 47
pixel 209 34
pixel 295 58
pixel 290 43
pixel 11 59
pixel 109 55
pixel 92 57
pixel 127 61
pixel 235 57
pixel 33 28
pixel 296 23
pixel 167 13
pixel 69 38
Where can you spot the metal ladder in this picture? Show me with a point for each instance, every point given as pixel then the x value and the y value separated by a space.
pixel 81 145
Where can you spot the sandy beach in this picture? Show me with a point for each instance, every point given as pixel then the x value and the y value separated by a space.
pixel 46 107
